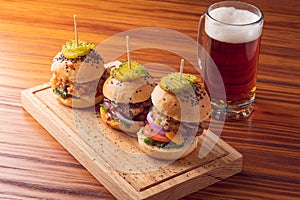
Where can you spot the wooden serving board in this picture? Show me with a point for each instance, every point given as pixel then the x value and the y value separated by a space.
pixel 115 160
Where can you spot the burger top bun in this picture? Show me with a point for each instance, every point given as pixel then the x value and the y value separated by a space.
pixel 182 107
pixel 135 91
pixel 80 70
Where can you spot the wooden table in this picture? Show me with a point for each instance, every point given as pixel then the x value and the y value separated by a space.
pixel 34 165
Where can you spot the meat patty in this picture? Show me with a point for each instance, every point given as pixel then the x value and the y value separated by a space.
pixel 134 111
pixel 170 124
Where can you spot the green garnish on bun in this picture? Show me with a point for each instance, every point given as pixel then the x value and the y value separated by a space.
pixel 72 51
pixel 172 82
pixel 126 73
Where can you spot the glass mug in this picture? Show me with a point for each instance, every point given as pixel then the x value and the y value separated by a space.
pixel 230 34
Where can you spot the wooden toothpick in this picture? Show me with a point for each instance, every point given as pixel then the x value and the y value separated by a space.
pixel 181 69
pixel 75 29
pixel 128 51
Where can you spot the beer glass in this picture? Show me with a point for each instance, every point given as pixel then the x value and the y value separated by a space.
pixel 230 34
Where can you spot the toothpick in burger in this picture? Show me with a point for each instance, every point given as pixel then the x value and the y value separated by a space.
pixel 180 107
pixel 127 95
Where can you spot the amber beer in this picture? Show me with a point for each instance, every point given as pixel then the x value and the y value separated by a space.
pixel 237 64
pixel 232 40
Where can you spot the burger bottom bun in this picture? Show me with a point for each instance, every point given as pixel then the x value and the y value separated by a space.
pixel 131 130
pixel 119 126
pixel 165 153
pixel 81 102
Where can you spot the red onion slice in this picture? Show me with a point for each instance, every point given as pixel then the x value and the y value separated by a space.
pixel 155 127
pixel 107 105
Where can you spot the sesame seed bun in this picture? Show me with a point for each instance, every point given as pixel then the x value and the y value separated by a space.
pixel 83 70
pixel 180 106
pixel 135 91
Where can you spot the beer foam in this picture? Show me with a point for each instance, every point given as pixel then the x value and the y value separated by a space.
pixel 227 26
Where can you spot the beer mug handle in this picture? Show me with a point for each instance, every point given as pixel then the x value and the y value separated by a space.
pixel 200 41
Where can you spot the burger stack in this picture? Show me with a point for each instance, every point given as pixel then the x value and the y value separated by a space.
pixel 166 117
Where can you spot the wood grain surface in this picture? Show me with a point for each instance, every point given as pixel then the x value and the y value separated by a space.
pixel 34 166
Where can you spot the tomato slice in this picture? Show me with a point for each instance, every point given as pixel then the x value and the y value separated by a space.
pixel 154 136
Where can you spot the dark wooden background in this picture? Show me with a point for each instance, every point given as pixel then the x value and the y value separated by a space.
pixel 34 166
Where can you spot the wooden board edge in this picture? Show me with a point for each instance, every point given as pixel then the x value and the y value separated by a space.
pixel 232 164
pixel 196 184
pixel 104 174
pixel 233 152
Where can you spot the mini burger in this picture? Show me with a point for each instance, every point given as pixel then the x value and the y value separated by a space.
pixel 180 106
pixel 127 95
pixel 78 75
